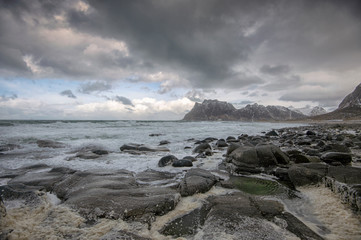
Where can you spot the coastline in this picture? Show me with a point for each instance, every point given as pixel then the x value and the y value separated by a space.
pixel 200 197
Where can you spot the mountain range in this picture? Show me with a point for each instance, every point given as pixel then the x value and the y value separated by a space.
pixel 213 110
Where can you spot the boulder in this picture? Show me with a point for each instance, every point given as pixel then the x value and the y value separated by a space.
pixel 187 224
pixel 300 158
pixel 8 147
pixel 141 148
pixel 336 157
pixel 151 177
pixel 307 173
pixel 195 181
pixel 182 163
pixel 245 158
pixel 232 147
pixel 193 159
pixel 167 160
pixel 202 148
pixel 45 179
pixel 155 134
pixel 49 144
pixel 164 142
pixel 221 143
pixel 272 133
pixel 336 148
pixel 345 174
pixel 310 133
pixel 239 216
pixel 114 194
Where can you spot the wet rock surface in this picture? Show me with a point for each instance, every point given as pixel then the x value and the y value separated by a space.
pixel 134 148
pixel 50 144
pixel 196 180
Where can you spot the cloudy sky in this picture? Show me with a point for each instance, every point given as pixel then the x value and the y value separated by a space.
pixel 92 59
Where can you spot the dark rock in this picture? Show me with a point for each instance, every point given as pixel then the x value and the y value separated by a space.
pixel 232 147
pixel 151 176
pixel 209 139
pixel 46 179
pixel 8 147
pixel 155 134
pixel 164 142
pixel 303 142
pixel 299 158
pixel 292 151
pixel 307 173
pixel 182 163
pixel 208 152
pixel 202 148
pixel 246 217
pixel 345 174
pixel 336 148
pixel 114 194
pixel 321 143
pixel 230 138
pixel 134 148
pixel 49 144
pixel 332 157
pixel 340 137
pixel 310 133
pixel 193 159
pixel 312 152
pixel 259 156
pixel 201 155
pixel 272 133
pixel 196 180
pixel 130 146
pixel 25 195
pixel 91 152
pixel 100 152
pixel 186 224
pixel 298 228
pixel 167 160
pixel 221 143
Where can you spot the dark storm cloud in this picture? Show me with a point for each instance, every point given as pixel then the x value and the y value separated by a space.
pixel 283 83
pixel 68 93
pixel 203 39
pixel 208 43
pixel 97 86
pixel 123 100
pixel 275 70
pixel 325 98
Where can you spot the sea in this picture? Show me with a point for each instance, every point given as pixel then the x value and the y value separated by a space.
pixel 110 136
pixel 318 207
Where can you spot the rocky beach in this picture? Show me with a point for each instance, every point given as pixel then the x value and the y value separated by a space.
pixel 288 183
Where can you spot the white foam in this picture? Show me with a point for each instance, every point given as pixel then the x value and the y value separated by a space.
pixel 327 208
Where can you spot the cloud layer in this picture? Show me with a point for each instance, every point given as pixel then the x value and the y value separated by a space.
pixel 280 52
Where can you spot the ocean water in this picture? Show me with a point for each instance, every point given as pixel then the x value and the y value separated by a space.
pixel 110 135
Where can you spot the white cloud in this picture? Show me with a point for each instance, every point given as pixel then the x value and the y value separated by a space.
pixel 142 109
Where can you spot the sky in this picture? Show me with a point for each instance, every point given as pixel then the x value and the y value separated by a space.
pixel 152 60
